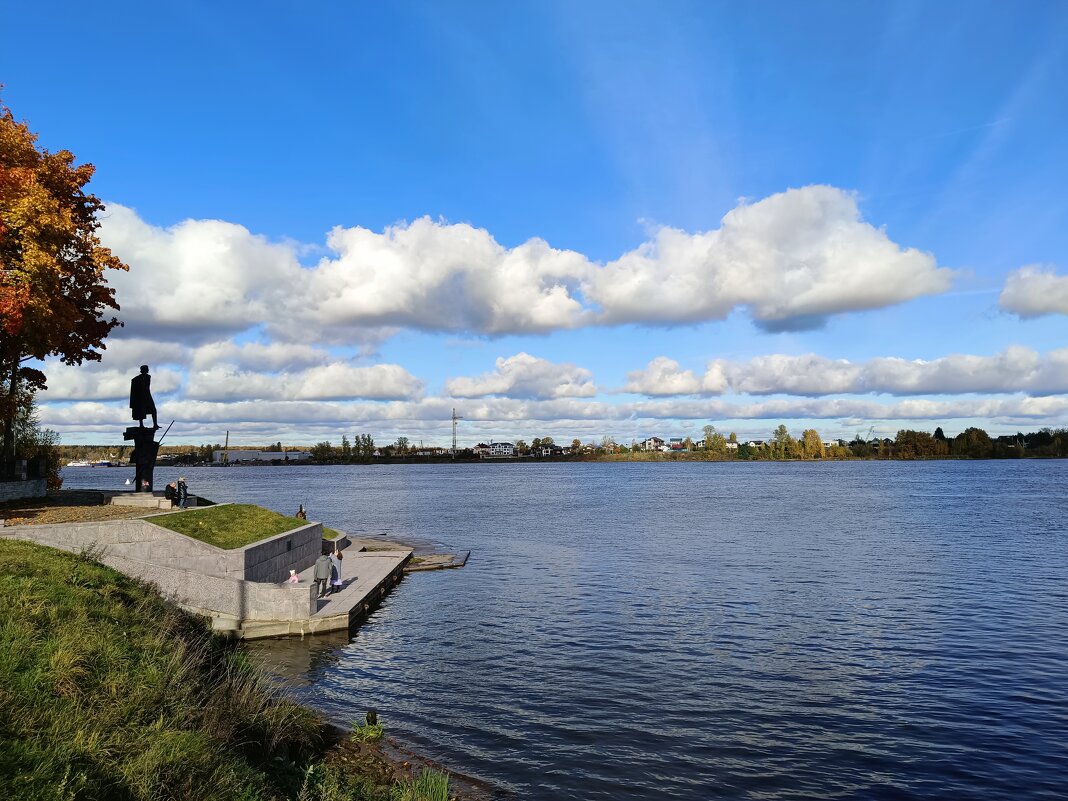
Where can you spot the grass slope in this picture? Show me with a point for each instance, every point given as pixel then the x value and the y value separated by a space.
pixel 110 692
pixel 231 525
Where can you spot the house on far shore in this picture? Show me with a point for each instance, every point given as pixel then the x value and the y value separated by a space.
pixel 755 443
pixel 732 446
pixel 677 444
pixel 500 449
pixel 481 449
pixel 652 444
pixel 234 455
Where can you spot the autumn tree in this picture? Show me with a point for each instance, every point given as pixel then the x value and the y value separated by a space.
pixel 576 445
pixel 910 444
pixel 973 442
pixel 812 445
pixel 715 443
pixel 54 297
pixel 709 431
pixel 784 446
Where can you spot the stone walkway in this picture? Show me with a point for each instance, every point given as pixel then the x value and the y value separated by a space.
pixel 368 577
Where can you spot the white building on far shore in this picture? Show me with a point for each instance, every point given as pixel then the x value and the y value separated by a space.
pixel 234 455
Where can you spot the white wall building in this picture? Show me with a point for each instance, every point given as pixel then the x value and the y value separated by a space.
pixel 501 449
pixel 259 456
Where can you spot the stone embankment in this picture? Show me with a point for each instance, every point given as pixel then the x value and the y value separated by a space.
pixel 240 589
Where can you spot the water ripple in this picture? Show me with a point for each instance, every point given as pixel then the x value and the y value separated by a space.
pixel 701 631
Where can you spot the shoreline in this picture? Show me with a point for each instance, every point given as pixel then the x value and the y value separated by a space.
pixel 339 749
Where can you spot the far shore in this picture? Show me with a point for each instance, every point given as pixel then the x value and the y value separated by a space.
pixel 624 458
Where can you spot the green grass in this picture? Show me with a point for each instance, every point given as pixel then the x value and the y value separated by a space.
pixel 232 525
pixel 107 691
pixel 110 692
pixel 367 732
pixel 430 785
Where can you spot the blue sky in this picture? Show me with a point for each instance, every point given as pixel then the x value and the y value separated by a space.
pixel 891 174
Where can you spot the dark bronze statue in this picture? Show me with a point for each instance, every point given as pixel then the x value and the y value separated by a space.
pixel 141 403
pixel 144 439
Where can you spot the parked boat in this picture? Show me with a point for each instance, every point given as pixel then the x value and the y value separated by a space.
pixel 78 464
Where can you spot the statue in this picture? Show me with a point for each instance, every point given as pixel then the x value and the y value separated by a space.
pixel 145 446
pixel 141 403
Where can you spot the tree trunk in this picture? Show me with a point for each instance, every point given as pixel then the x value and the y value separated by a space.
pixel 7 458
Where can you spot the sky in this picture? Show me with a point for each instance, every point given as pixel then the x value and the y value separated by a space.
pixel 573 219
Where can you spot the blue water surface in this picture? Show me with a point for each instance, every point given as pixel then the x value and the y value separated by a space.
pixel 701 630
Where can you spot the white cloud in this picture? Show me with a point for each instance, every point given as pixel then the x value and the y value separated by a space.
pixel 327 382
pixel 526 376
pixel 442 277
pixel 521 417
pixel 1035 290
pixel 259 356
pixel 1016 369
pixel 197 278
pixel 792 375
pixel 82 383
pixel 662 377
pixel 121 353
pixel 791 259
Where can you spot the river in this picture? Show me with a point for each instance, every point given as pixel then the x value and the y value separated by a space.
pixel 702 630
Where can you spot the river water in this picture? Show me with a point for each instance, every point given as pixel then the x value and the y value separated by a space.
pixel 702 630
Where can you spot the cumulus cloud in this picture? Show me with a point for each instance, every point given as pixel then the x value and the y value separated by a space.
pixel 198 278
pixel 664 377
pixel 526 376
pixel 791 259
pixel 259 356
pixel 1034 291
pixel 441 277
pixel 520 416
pixel 121 353
pixel 792 375
pixel 1016 369
pixel 327 382
pixel 81 383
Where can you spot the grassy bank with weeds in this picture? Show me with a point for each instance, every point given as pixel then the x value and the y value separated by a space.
pixel 232 525
pixel 108 691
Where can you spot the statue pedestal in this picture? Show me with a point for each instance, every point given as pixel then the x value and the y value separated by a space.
pixel 144 455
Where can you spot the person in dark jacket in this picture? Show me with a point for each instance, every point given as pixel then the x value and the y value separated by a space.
pixel 182 492
pixel 322 574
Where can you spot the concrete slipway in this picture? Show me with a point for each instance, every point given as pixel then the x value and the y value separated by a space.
pixel 242 590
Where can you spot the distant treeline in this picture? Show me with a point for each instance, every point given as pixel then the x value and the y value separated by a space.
pixel 972 443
